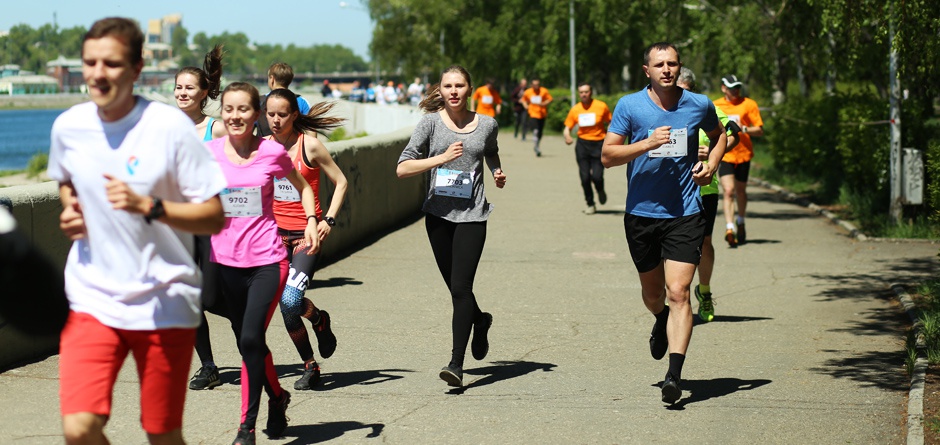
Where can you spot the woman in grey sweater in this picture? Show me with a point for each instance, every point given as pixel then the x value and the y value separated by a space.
pixel 452 142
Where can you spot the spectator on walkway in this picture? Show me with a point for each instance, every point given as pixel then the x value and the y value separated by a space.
pixel 132 176
pixel 592 117
pixel 357 94
pixel 652 131
pixel 391 93
pixel 452 142
pixel 326 91
pixel 415 92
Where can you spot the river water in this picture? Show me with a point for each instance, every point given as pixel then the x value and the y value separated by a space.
pixel 23 134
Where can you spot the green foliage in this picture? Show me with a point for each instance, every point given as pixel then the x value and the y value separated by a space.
pixel 32 48
pixel 340 134
pixel 37 164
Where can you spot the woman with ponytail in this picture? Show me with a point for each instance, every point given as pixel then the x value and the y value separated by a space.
pixel 451 142
pixel 194 87
pixel 297 133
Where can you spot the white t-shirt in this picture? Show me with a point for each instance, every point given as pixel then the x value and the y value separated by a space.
pixel 126 273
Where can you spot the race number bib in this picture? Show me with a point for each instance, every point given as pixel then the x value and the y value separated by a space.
pixel 587 120
pixel 677 147
pixel 453 183
pixel 241 202
pixel 285 191
pixel 536 100
pixel 736 118
pixel 487 100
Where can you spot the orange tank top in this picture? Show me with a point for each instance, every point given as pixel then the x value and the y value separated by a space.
pixel 288 210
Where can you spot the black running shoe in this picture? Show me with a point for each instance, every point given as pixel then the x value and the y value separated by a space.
pixel 326 341
pixel 671 391
pixel 602 197
pixel 207 377
pixel 659 341
pixel 453 375
pixel 742 233
pixel 310 378
pixel 246 436
pixel 480 344
pixel 277 415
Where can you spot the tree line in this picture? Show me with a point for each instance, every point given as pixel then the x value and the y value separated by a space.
pixel 31 48
pixel 822 65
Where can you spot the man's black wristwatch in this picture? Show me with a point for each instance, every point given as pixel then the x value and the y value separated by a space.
pixel 156 210
pixel 329 221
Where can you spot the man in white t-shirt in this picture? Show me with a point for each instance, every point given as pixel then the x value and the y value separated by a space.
pixel 415 92
pixel 132 178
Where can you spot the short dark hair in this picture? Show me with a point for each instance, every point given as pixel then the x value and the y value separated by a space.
pixel 659 46
pixel 125 30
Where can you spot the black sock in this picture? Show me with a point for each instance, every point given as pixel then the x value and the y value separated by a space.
pixel 662 316
pixel 675 365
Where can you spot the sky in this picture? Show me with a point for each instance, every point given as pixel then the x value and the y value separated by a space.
pixel 303 23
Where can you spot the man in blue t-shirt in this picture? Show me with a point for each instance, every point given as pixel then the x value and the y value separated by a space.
pixel 655 132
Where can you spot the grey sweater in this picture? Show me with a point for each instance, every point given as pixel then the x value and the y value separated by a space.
pixel 431 138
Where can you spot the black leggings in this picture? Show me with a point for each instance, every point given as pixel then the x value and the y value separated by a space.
pixel 457 249
pixel 588 154
pixel 212 300
pixel 251 296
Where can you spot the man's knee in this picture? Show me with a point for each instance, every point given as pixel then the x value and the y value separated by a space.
pixel 83 428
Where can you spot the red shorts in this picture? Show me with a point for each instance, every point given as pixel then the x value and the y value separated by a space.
pixel 91 354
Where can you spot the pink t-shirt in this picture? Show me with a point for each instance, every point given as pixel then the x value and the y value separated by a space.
pixel 249 238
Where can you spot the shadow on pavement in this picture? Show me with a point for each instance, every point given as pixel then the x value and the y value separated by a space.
pixel 501 370
pixel 334 282
pixel 696 321
pixel 335 380
pixel 877 369
pixel 701 390
pixel 782 216
pixel 323 432
pixel 860 284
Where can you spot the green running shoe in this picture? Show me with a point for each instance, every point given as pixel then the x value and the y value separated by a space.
pixel 706 307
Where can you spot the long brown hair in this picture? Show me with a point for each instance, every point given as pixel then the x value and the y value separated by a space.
pixel 315 120
pixel 209 76
pixel 433 102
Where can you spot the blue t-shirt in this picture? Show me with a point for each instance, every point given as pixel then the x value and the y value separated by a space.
pixel 302 105
pixel 662 187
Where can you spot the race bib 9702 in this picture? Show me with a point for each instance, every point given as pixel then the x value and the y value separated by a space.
pixel 241 202
pixel 677 147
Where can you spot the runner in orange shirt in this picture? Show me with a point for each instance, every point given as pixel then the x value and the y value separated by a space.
pixel 736 164
pixel 592 117
pixel 486 100
pixel 536 100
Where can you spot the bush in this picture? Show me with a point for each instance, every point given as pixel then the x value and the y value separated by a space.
pixel 37 165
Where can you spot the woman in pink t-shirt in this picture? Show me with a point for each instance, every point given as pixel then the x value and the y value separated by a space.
pixel 253 262
pixel 293 130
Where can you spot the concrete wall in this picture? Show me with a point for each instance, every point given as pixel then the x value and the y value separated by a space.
pixel 376 200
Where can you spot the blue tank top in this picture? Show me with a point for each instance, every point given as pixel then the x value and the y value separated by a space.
pixel 208 136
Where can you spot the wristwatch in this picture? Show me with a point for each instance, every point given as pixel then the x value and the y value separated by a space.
pixel 329 221
pixel 156 210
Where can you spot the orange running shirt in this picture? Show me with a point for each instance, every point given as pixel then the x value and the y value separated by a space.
pixel 592 122
pixel 486 100
pixel 536 108
pixel 744 113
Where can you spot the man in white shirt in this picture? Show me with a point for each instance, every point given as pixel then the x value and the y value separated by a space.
pixel 132 177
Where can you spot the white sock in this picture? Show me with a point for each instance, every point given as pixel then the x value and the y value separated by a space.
pixel 730 226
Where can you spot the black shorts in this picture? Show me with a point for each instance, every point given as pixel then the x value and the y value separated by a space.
pixel 740 171
pixel 653 240
pixel 710 211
